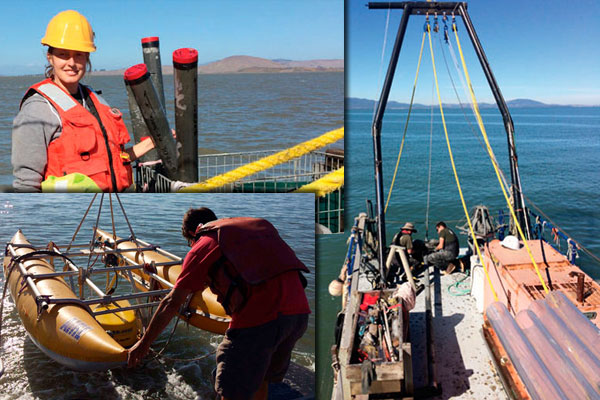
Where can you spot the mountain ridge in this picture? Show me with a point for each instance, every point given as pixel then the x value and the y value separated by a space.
pixel 240 64
pixel 354 103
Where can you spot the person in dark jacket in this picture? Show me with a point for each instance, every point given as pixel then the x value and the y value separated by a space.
pixel 446 251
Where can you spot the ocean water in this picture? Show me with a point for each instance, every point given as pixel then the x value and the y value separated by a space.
pixel 236 112
pixel 558 151
pixel 157 219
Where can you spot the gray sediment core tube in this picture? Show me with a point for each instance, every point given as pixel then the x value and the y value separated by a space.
pixel 151 50
pixel 185 78
pixel 144 93
pixel 138 126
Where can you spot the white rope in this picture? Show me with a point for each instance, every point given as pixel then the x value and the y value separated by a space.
pixel 385 34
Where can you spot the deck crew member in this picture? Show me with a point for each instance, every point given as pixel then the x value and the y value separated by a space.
pixel 257 279
pixel 65 136
pixel 414 249
pixel 446 250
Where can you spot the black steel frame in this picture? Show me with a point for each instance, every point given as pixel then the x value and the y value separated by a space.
pixel 425 8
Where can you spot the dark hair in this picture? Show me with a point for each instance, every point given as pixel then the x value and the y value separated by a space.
pixel 194 217
pixel 441 223
pixel 49 71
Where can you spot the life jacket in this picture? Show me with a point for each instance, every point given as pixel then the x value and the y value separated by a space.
pixel 253 252
pixel 82 146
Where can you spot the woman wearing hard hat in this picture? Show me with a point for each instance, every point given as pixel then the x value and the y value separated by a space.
pixel 65 136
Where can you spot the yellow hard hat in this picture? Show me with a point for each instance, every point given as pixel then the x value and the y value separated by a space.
pixel 70 30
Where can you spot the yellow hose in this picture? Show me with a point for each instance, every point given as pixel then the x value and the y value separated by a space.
pixel 405 125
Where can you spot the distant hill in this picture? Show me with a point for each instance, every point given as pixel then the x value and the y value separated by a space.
pixel 248 64
pixel 357 103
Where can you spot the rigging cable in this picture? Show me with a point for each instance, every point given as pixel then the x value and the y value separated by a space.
pixel 412 98
pixel 93 240
pixel 430 165
pixel 385 34
pixel 462 108
pixel 493 159
pixel 462 199
pixel 81 223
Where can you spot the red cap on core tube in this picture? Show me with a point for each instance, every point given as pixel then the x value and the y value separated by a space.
pixel 150 39
pixel 185 56
pixel 135 72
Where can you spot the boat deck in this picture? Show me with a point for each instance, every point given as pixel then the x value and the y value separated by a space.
pixel 463 364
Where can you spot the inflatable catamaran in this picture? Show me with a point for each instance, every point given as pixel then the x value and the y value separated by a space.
pixel 77 323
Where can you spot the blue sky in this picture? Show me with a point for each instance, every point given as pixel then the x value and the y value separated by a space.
pixel 297 30
pixel 543 50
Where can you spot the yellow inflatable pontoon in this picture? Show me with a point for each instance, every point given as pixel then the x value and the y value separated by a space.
pixel 67 332
pixel 204 310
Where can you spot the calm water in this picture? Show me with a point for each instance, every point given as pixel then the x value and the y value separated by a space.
pixel 558 151
pixel 157 219
pixel 238 112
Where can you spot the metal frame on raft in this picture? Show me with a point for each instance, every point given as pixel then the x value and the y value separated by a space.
pixel 83 276
pixel 449 9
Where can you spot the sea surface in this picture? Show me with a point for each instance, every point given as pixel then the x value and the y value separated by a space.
pixel 558 150
pixel 236 112
pixel 155 218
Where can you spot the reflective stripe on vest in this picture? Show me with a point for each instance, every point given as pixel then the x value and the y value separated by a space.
pixel 60 98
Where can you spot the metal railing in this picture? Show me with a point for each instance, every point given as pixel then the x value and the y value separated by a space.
pixel 281 178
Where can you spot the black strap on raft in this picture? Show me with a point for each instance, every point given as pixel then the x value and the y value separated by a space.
pixel 35 254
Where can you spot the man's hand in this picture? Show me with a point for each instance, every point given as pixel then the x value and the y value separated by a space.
pixel 162 316
pixel 136 353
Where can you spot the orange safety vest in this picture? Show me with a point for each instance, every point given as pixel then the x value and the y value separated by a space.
pixel 82 146
pixel 253 252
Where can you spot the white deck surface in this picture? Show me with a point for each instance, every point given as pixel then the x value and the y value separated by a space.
pixel 462 362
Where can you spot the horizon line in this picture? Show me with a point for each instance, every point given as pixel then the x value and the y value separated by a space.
pixel 482 102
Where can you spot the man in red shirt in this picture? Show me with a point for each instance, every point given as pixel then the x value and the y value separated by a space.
pixel 256 277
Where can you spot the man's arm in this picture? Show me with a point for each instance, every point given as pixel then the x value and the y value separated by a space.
pixel 166 310
pixel 440 245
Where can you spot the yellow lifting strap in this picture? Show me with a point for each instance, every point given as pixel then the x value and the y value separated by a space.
pixel 266 162
pixel 405 125
pixel 462 199
pixel 325 185
pixel 493 158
